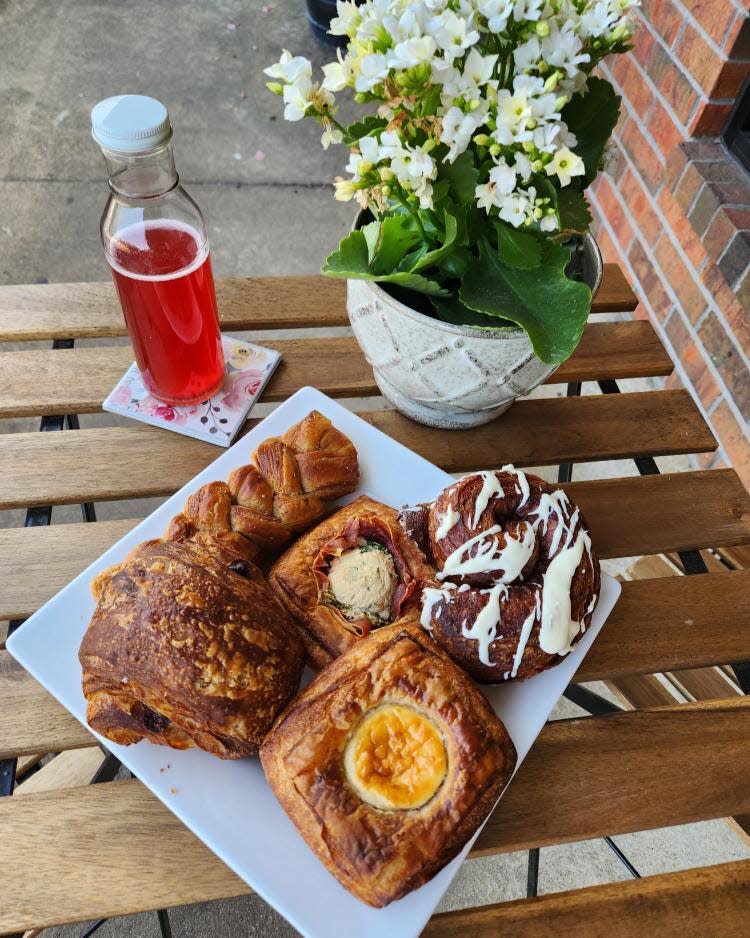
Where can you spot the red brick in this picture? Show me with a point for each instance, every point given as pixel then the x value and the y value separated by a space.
pixel 672 83
pixel 682 228
pixel 714 17
pixel 648 161
pixel 649 280
pixel 690 185
pixel 696 368
pixel 674 382
pixel 643 45
pixel 699 58
pixel 663 17
pixel 634 87
pixel 612 210
pixel 710 120
pixel 610 253
pixel 718 234
pixel 663 129
pixel 639 202
pixel 727 360
pixel 730 80
pixel 680 279
pixel 733 440
pixel 678 160
pixel 738 40
pixel 737 318
pixel 678 335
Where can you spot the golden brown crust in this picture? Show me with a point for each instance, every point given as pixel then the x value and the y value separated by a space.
pixel 188 647
pixel 381 855
pixel 553 526
pixel 325 632
pixel 282 492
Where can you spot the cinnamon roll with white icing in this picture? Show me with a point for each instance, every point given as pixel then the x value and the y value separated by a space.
pixel 518 577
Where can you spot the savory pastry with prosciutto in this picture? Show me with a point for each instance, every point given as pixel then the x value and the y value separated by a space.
pixel 188 647
pixel 388 762
pixel 355 572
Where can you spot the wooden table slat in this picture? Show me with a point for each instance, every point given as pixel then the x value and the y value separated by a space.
pixel 88 310
pixel 76 381
pixel 657 625
pixel 629 517
pixel 709 900
pixel 136 461
pixel 690 759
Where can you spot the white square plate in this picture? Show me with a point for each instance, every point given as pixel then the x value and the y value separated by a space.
pixel 229 805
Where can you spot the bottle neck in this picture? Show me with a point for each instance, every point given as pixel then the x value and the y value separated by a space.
pixel 143 175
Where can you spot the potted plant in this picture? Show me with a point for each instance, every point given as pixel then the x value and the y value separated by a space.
pixel 470 268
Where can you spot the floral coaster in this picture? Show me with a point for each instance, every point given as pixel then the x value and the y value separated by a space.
pixel 216 421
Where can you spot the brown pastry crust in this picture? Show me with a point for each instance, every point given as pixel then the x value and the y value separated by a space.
pixel 514 512
pixel 298 576
pixel 381 855
pixel 188 647
pixel 282 492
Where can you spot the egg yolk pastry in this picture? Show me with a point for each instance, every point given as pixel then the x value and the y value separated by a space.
pixel 353 573
pixel 388 762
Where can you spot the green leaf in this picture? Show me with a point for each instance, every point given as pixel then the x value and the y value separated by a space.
pixel 551 308
pixel 433 258
pixel 365 128
pixel 455 265
pixel 462 175
pixel 517 247
pixel 592 117
pixel 387 242
pixel 352 261
pixel 574 210
pixel 453 311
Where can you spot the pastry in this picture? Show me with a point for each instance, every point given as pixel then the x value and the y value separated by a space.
pixel 519 577
pixel 188 647
pixel 355 572
pixel 282 492
pixel 388 762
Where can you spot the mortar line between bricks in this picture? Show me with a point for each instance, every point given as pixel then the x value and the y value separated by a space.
pixel 738 279
pixel 236 183
pixel 699 29
pixel 671 53
pixel 661 332
pixel 712 306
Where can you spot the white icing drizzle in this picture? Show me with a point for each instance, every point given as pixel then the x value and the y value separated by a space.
pixel 490 486
pixel 523 638
pixel 558 628
pixel 447 523
pixel 430 597
pixel 511 559
pixel 553 503
pixel 484 628
pixel 522 481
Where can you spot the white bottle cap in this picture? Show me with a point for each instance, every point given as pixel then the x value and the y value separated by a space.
pixel 130 123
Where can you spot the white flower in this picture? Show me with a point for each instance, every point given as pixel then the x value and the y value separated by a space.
pixel 290 68
pixel 344 190
pixel 423 192
pixel 513 114
pixel 528 54
pixel 497 13
pixel 527 9
pixel 338 74
pixel 485 195
pixel 478 68
pixel 297 99
pixel 452 34
pixel 523 165
pixel 372 70
pixel 504 177
pixel 457 131
pixel 390 145
pixel 513 209
pixel 347 21
pixel 548 223
pixel 562 48
pixel 411 166
pixel 330 134
pixel 369 152
pixel 412 52
pixel 565 164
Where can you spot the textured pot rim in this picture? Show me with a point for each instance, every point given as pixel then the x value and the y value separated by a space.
pixel 502 333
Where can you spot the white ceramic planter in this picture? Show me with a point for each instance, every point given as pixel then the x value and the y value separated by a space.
pixel 442 375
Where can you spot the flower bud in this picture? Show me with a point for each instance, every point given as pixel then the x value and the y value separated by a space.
pixel 276 87
pixel 361 97
pixel 561 102
pixel 385 190
pixel 531 124
pixel 538 214
pixel 482 140
pixel 537 166
pixel 386 173
pixel 364 167
pixel 542 28
pixel 473 105
pixel 528 146
pixel 495 149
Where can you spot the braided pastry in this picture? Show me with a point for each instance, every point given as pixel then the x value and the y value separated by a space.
pixel 519 578
pixel 282 492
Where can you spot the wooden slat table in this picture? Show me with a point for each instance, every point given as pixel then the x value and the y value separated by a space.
pixel 590 777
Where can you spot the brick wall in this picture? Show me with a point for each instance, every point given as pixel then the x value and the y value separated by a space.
pixel 675 208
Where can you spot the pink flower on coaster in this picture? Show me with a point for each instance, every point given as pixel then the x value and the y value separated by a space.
pixel 122 395
pixel 241 385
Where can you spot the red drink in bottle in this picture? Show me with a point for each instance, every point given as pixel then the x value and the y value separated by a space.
pixel 155 241
pixel 166 288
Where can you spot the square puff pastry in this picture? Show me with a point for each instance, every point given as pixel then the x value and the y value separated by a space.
pixel 388 762
pixel 300 577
